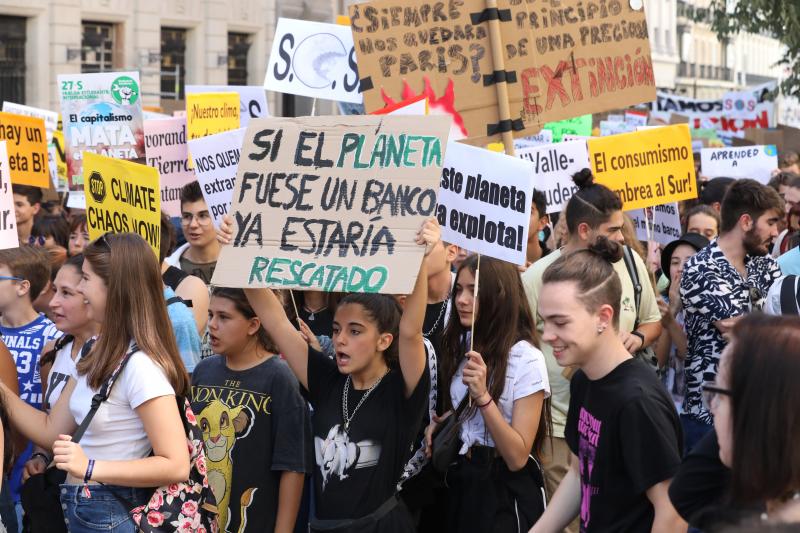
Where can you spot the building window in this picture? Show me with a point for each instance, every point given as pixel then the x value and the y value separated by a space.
pixel 238 48
pixel 12 59
pixel 97 46
pixel 173 62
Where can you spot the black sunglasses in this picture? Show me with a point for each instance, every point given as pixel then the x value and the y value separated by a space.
pixel 710 393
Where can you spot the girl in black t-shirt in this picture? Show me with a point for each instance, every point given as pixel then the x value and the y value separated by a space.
pixel 495 484
pixel 367 403
pixel 254 421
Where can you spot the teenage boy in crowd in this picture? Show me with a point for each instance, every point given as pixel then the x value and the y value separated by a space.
pixel 713 191
pixel 24 273
pixel 539 220
pixel 198 256
pixel 27 204
pixel 721 283
pixel 791 199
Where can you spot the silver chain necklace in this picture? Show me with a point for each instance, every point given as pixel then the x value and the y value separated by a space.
pixel 438 318
pixel 345 411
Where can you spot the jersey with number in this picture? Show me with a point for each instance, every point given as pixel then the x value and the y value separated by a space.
pixel 25 344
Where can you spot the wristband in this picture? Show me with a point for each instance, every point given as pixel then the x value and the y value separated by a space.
pixel 44 457
pixel 89 469
pixel 485 404
pixel 641 337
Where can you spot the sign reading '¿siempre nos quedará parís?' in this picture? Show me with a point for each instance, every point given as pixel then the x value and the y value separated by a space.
pixel 333 203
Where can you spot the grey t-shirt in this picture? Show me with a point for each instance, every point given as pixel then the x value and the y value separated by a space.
pixel 255 425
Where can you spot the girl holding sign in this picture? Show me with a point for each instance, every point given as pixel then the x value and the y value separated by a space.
pixel 495 483
pixel 368 402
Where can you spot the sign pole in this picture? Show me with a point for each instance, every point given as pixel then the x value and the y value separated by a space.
pixel 504 109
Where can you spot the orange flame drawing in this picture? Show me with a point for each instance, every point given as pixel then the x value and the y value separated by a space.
pixel 445 105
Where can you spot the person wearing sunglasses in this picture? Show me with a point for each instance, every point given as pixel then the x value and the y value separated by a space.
pixel 198 256
pixel 724 281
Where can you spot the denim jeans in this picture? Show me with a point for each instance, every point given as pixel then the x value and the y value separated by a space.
pixel 101 511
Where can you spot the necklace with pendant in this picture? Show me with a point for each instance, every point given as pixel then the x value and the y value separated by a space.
pixel 345 411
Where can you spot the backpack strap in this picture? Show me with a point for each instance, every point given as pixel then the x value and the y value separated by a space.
pixel 172 277
pixel 49 357
pixel 790 295
pixel 630 264
pixel 175 300
pixel 101 396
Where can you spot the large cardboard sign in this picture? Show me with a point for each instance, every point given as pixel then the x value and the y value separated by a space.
pixel 210 113
pixel 333 203
pixel 102 113
pixel 661 223
pixel 26 148
pixel 165 144
pixel 646 168
pixel 581 126
pixel 122 196
pixel 50 117
pixel 216 160
pixel 485 202
pixel 755 162
pixel 553 167
pixel 252 99
pixel 313 59
pixel 8 219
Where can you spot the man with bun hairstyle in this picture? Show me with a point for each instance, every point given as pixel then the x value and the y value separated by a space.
pixel 594 211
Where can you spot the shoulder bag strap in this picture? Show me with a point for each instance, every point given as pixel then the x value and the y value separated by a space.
pixel 790 299
pixel 630 264
pixel 102 396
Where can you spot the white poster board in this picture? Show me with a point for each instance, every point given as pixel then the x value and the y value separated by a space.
pixel 665 223
pixel 252 99
pixel 485 201
pixel 8 218
pixel 554 165
pixel 755 162
pixel 313 59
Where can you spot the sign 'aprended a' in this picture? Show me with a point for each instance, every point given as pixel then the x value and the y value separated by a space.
pixel 646 168
pixel 333 203
pixel 122 196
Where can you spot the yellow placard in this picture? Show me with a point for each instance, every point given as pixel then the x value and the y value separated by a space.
pixel 61 161
pixel 210 113
pixel 646 168
pixel 122 196
pixel 26 141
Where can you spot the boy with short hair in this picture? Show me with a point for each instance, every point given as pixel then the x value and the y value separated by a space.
pixel 198 256
pixel 27 204
pixel 24 273
pixel 539 220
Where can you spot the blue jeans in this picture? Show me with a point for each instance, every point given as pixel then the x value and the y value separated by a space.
pixel 101 511
pixel 693 431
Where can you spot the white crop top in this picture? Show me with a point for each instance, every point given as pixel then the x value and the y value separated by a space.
pixel 116 433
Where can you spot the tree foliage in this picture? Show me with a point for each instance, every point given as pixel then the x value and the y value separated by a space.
pixel 779 19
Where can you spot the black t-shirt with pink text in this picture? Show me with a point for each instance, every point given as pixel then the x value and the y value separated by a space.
pixel 626 433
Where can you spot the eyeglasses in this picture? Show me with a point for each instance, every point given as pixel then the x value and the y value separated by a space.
pixel 10 278
pixel 203 218
pixel 711 394
pixel 38 240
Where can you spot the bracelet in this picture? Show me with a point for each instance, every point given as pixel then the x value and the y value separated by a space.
pixel 89 469
pixel 485 404
pixel 44 457
pixel 640 335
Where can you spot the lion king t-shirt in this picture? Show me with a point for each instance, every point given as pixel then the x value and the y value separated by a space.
pixel 255 426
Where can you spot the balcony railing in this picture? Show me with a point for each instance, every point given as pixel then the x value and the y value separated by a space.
pixel 706 72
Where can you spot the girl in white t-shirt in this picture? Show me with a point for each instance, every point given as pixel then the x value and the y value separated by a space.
pixel 57 364
pixel 494 485
pixel 136 438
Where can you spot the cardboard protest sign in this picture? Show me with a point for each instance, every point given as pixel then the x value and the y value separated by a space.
pixel 216 160
pixel 755 162
pixel 646 168
pixel 122 196
pixel 165 144
pixel 26 148
pixel 664 221
pixel 333 203
pixel 210 113
pixel 553 166
pixel 313 59
pixel 581 125
pixel 412 47
pixel 50 117
pixel 8 218
pixel 252 99
pixel 417 105
pixel 102 113
pixel 485 202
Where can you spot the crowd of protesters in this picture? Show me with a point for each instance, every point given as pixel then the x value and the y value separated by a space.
pixel 602 389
